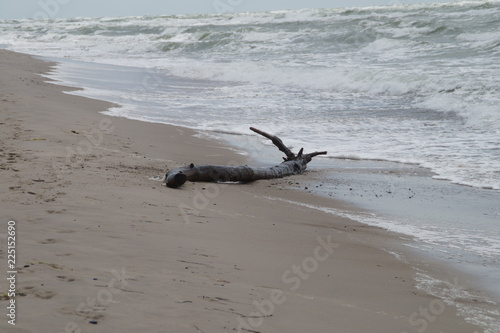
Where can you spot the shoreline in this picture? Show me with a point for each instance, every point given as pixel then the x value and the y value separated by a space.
pixel 89 211
pixel 436 213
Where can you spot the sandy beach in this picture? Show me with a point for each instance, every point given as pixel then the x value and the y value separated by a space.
pixel 103 246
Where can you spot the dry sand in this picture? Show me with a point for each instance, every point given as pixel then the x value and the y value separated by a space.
pixel 101 247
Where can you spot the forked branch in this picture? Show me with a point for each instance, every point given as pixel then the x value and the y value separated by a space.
pixel 292 165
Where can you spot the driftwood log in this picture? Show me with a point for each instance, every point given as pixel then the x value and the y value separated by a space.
pixel 292 165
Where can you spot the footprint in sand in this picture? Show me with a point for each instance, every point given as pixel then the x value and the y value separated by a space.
pixel 53 211
pixel 48 241
pixel 12 157
pixel 66 231
pixel 44 294
pixel 65 278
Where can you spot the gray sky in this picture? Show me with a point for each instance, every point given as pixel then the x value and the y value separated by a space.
pixel 15 9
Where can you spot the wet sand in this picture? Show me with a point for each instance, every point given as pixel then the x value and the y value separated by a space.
pixel 103 245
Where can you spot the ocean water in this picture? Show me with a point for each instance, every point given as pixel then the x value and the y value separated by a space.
pixel 405 99
pixel 408 83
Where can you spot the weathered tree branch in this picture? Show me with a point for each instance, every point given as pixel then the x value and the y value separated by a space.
pixel 292 165
pixel 278 143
